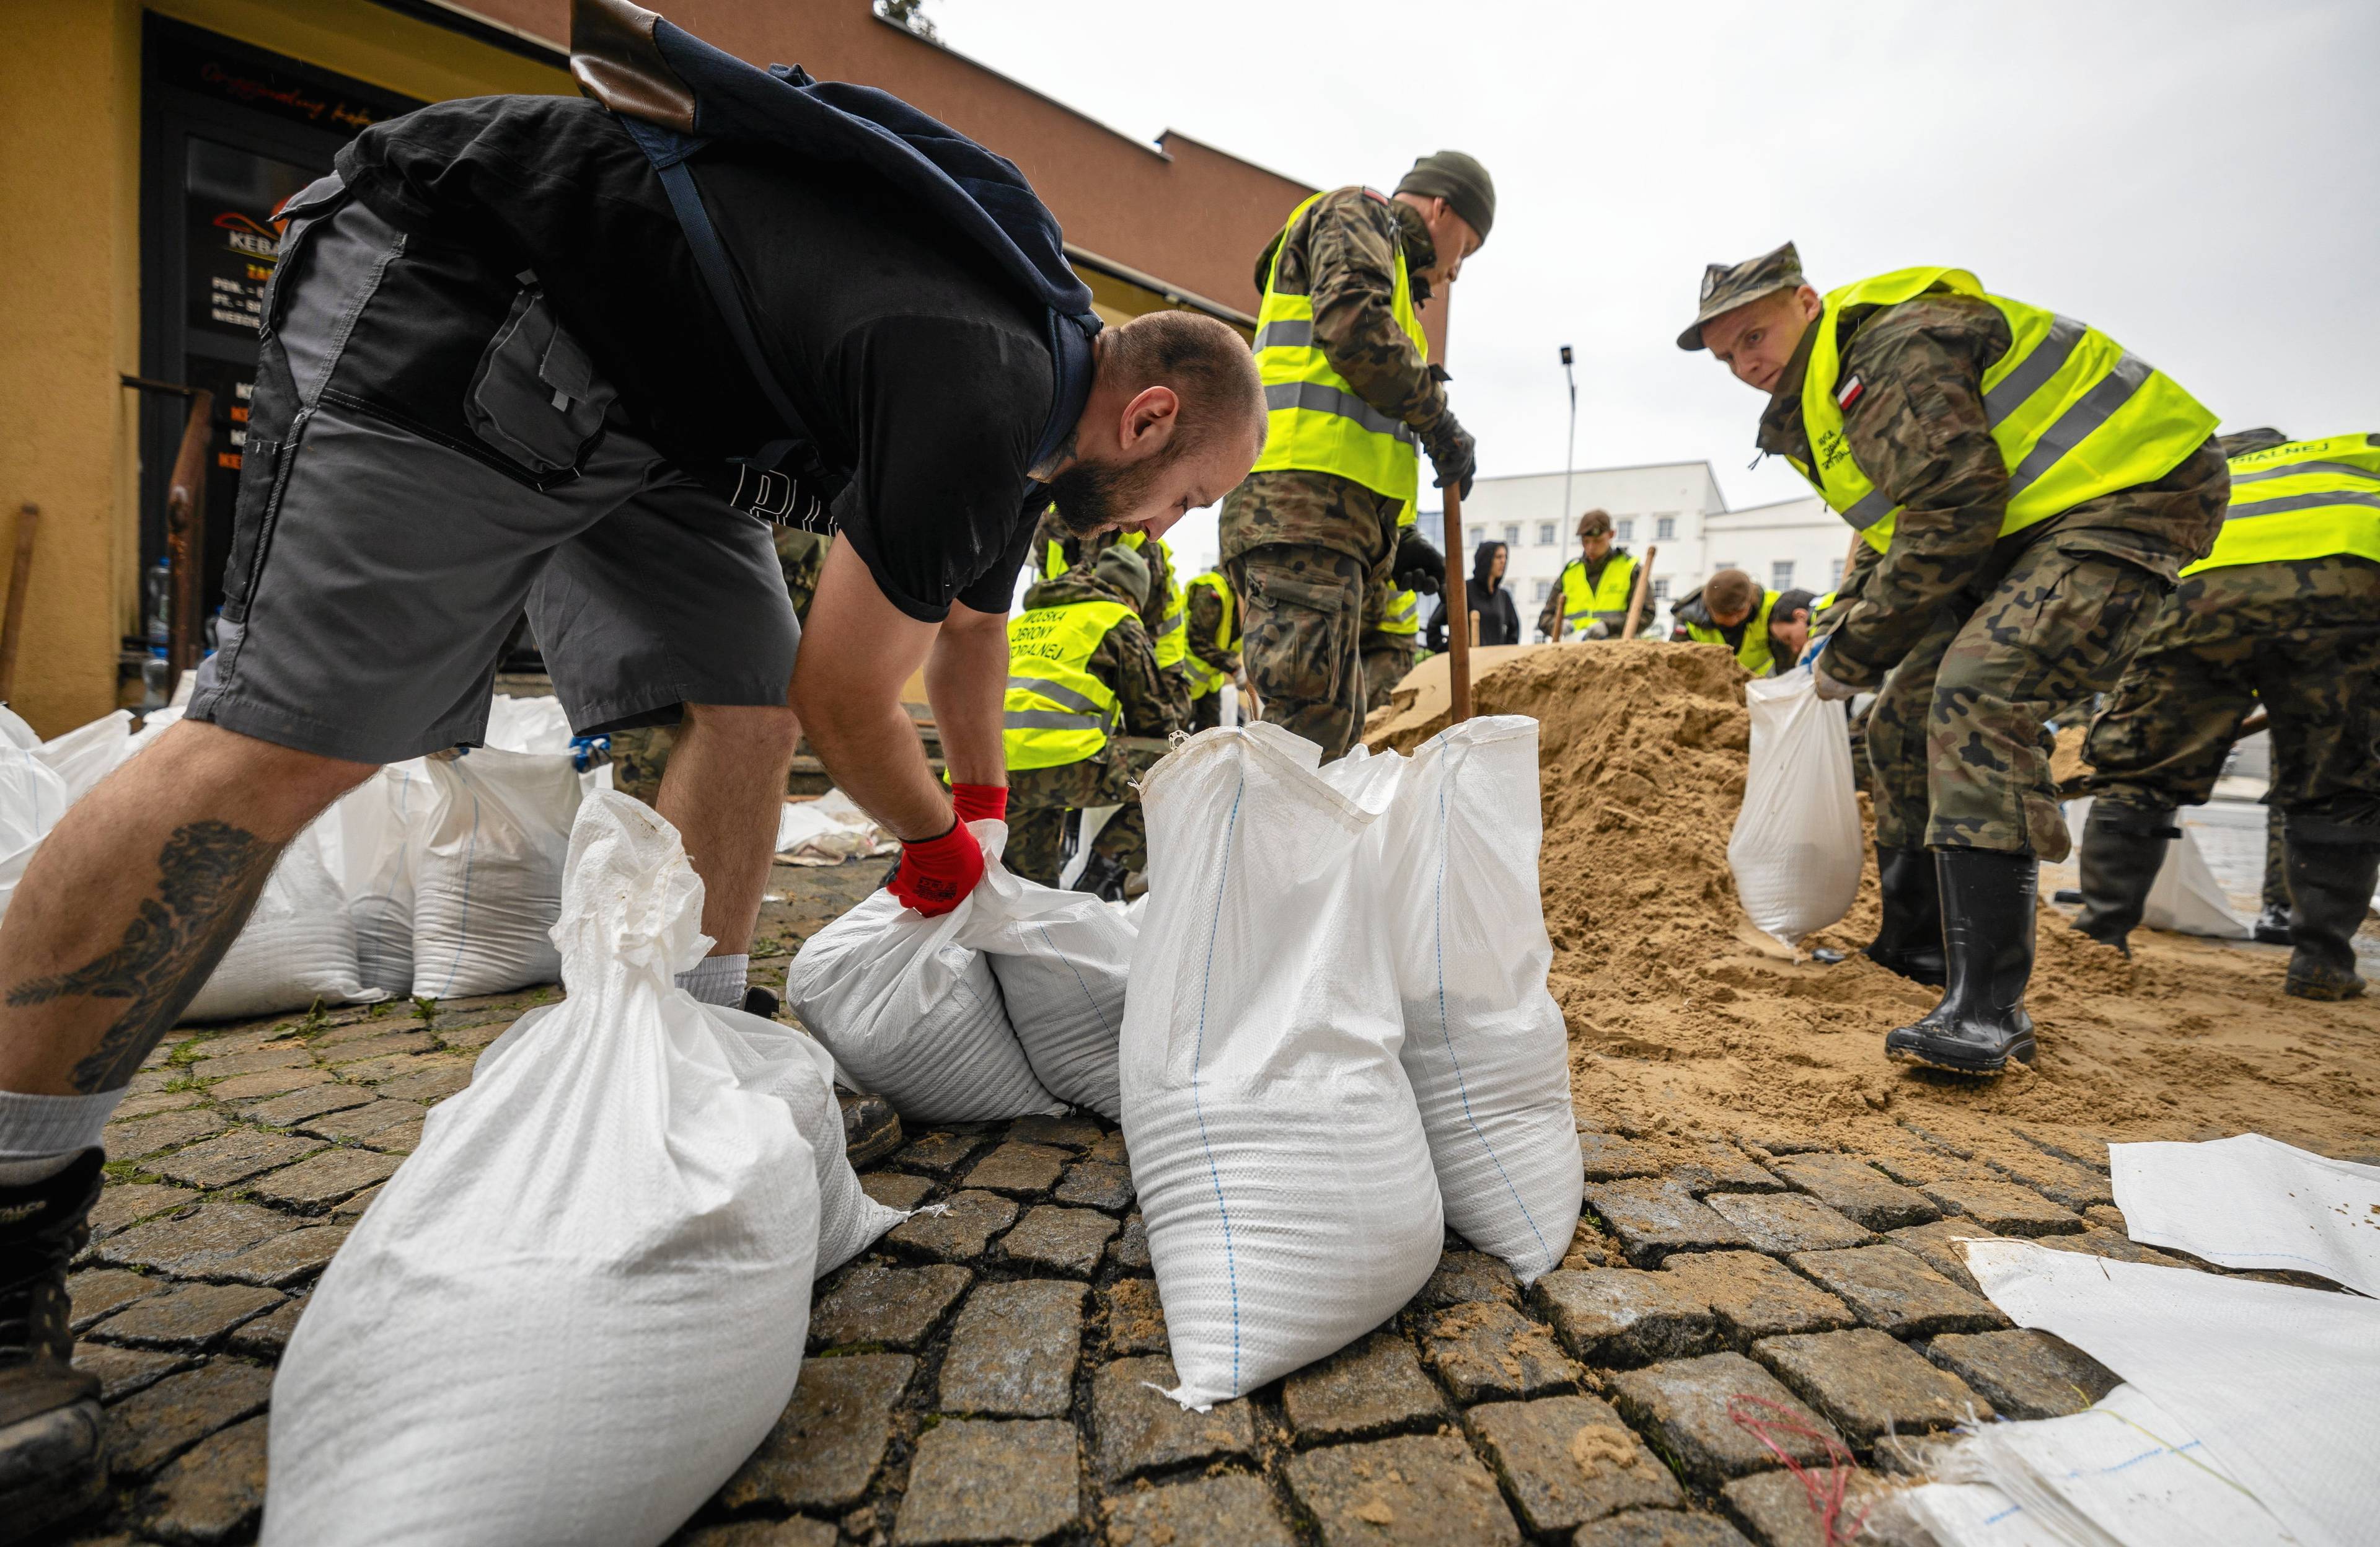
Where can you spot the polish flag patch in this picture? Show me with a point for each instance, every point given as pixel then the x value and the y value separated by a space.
pixel 1850 393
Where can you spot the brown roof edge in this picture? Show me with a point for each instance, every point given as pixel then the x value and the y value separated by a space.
pixel 1170 135
pixel 1170 291
pixel 483 29
pixel 1009 80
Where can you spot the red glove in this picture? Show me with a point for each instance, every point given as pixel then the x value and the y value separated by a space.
pixel 980 802
pixel 935 875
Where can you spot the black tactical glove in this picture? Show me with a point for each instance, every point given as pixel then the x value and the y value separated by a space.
pixel 1417 567
pixel 1455 455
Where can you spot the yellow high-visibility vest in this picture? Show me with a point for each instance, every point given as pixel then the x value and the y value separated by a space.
pixel 2075 414
pixel 1057 710
pixel 1581 601
pixel 1317 420
pixel 1204 678
pixel 1167 636
pixel 1754 653
pixel 2308 499
pixel 1053 560
pixel 1404 613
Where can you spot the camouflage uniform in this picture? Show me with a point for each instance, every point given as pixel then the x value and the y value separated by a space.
pixel 2299 636
pixel 1388 658
pixel 1041 799
pixel 1303 549
pixel 1204 622
pixel 1969 638
pixel 802 555
pixel 1163 589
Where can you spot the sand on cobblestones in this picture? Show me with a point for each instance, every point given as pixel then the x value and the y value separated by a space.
pixel 1684 1024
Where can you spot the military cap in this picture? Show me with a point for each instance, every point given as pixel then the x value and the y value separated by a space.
pixel 1726 288
pixel 1461 181
pixel 1122 571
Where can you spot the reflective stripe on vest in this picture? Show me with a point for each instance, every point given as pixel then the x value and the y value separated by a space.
pixel 1056 712
pixel 1402 614
pixel 2074 414
pixel 1754 654
pixel 1204 678
pixel 2309 499
pixel 1315 420
pixel 1609 594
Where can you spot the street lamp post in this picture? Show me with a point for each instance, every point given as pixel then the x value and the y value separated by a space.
pixel 1570 452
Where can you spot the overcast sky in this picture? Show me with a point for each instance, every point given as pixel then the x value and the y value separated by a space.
pixel 2200 180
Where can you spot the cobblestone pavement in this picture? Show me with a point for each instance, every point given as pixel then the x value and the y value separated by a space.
pixel 987 1374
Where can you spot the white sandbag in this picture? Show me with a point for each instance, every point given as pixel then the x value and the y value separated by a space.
pixel 791 1064
pixel 85 755
pixel 2185 897
pixel 537 725
pixel 1485 1044
pixel 913 1014
pixel 1282 1171
pixel 579 1305
pixel 488 876
pixel 15 732
pixel 297 946
pixel 380 826
pixel 829 829
pixel 32 797
pixel 1062 959
pixel 1797 847
pixel 153 726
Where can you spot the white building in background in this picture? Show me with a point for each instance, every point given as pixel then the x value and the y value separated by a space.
pixel 1673 508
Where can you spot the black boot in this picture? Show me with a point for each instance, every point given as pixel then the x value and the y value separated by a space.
pixel 52 1465
pixel 1102 877
pixel 2330 888
pixel 1987 901
pixel 2272 926
pixel 1909 939
pixel 2123 849
pixel 761 1002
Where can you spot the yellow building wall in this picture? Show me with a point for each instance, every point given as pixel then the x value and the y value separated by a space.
pixel 70 219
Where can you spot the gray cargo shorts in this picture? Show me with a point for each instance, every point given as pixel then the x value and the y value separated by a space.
pixel 429 454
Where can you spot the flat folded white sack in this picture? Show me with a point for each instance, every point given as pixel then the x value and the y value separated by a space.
pixel 2249 1201
pixel 579 1305
pixel 828 831
pixel 2281 1385
pixel 915 1016
pixel 1279 1158
pixel 1063 960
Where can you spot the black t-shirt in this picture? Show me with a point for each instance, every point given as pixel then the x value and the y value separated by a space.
pixel 923 372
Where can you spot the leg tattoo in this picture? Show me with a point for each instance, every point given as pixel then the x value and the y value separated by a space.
pixel 210 874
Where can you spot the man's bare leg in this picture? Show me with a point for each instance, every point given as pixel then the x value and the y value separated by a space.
pixel 137 894
pixel 723 791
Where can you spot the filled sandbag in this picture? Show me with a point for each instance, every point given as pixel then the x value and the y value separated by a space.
pixel 1485 1044
pixel 1063 960
pixel 32 797
pixel 1798 845
pixel 1283 1174
pixel 579 1305
pixel 488 875
pixel 915 1016
pixel 297 946
pixel 380 827
pixel 85 755
pixel 538 725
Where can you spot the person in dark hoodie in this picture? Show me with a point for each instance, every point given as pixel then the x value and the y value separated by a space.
pixel 1486 594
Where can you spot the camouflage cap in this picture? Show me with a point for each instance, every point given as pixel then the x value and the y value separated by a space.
pixel 1725 287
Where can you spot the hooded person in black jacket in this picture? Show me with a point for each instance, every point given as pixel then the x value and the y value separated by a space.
pixel 1499 620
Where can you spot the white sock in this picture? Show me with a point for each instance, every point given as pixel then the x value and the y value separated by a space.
pixel 39 1136
pixel 716 980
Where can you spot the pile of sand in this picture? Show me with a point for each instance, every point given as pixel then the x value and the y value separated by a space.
pixel 1682 1024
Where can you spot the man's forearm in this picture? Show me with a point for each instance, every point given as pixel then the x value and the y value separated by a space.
pixel 1934 555
pixel 966 681
pixel 874 755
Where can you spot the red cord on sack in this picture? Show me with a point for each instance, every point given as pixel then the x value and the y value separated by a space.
pixel 1826 1495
